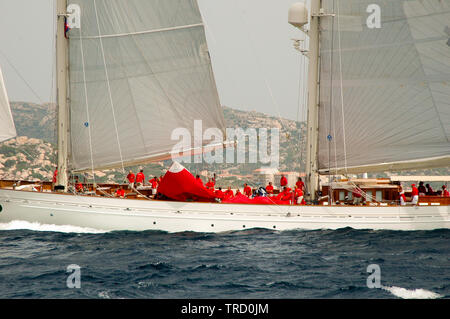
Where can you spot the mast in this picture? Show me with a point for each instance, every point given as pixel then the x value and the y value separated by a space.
pixel 61 84
pixel 312 176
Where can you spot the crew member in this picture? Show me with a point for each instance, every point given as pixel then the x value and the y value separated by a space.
pixel 140 178
pixel 445 192
pixel 78 185
pixel 120 192
pixel 422 189
pixel 300 184
pixel 219 194
pixel 154 183
pixel 285 195
pixel 283 181
pixel 269 188
pixel 55 178
pixel 357 196
pixel 131 179
pixel 298 195
pixel 210 185
pixel 430 190
pixel 414 194
pixel 228 193
pixel 247 190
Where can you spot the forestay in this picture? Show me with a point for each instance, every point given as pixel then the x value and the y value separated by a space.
pixel 138 70
pixel 7 128
pixel 393 111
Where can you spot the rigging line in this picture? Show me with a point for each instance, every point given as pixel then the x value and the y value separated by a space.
pixel 87 107
pixel 21 77
pixel 109 87
pixel 342 88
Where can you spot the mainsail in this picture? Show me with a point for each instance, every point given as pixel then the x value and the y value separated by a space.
pixel 7 128
pixel 138 70
pixel 384 90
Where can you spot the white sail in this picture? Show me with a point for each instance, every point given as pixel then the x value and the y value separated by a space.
pixel 393 111
pixel 7 128
pixel 138 70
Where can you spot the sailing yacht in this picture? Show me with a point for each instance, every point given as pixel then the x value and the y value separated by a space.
pixel 130 72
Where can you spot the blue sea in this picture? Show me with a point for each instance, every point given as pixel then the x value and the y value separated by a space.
pixel 256 263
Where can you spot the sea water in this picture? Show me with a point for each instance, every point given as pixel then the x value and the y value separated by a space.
pixel 37 261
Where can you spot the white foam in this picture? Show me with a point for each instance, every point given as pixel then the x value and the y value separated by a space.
pixel 19 224
pixel 411 294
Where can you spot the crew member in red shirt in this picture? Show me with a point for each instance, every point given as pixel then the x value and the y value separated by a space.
pixel 131 178
pixel 414 194
pixel 120 192
pixel 154 182
pixel 283 181
pixel 228 193
pixel 78 185
pixel 247 190
pixel 210 185
pixel 55 178
pixel 445 192
pixel 219 194
pixel 300 184
pixel 357 196
pixel 298 195
pixel 140 178
pixel 285 195
pixel 269 188
pixel 238 192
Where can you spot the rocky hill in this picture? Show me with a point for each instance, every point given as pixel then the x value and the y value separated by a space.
pixel 32 156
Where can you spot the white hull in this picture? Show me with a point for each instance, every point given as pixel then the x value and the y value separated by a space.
pixel 111 214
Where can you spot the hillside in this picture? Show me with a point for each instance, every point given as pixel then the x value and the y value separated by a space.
pixel 32 155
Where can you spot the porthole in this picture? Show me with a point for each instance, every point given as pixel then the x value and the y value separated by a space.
pixel 154 223
pixel 1 208
pixel 274 227
pixel 243 226
pixel 212 225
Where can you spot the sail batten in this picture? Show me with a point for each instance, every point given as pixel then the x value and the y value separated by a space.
pixel 393 88
pixel 141 32
pixel 147 62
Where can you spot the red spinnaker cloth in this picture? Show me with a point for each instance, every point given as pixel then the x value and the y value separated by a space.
pixel 242 199
pixel 239 199
pixel 179 184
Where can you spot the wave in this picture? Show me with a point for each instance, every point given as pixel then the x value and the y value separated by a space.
pixel 18 224
pixel 411 293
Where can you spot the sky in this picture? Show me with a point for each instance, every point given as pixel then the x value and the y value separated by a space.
pixel 254 62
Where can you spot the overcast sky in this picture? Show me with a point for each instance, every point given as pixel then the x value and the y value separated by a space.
pixel 255 64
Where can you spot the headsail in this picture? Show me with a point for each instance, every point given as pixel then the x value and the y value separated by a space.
pixel 7 128
pixel 393 112
pixel 138 70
